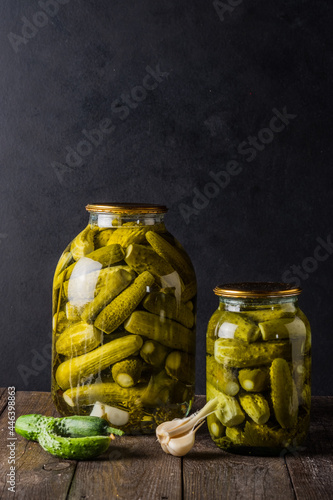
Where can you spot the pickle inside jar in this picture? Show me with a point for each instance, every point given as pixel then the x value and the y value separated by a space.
pixel 101 351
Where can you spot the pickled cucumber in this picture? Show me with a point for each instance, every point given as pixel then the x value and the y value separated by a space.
pixel 210 346
pixel 256 406
pixel 212 332
pixel 237 354
pixel 64 261
pixel 216 429
pixel 127 234
pixel 121 307
pixel 270 313
pixel 81 288
pixel 104 275
pixel 73 312
pixel 141 258
pixel 223 379
pixel 158 390
pixel 75 370
pixel 284 394
pixel 92 262
pixel 77 339
pixel 107 393
pixel 171 254
pixel 107 255
pixel 154 353
pixel 166 331
pixel 162 389
pixel 102 238
pixel 236 435
pixel 115 284
pixel 181 366
pixel 167 305
pixel 230 413
pixel 301 376
pixel 284 328
pixel 84 288
pixel 127 373
pixel 83 243
pixel 264 436
pixel 305 320
pixel 212 329
pixel 254 380
pixel 59 322
pixel 232 325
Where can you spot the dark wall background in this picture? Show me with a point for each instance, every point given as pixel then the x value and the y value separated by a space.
pixel 224 71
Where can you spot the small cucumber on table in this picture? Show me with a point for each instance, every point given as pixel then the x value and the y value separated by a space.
pixel 83 448
pixel 75 438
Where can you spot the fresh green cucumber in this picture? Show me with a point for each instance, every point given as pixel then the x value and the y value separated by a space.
pixel 84 426
pixel 82 448
pixel 28 426
pixel 76 438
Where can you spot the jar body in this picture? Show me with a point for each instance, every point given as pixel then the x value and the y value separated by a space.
pixel 124 305
pixel 259 365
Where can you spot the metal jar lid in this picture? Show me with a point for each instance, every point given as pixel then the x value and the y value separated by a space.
pixel 256 290
pixel 127 208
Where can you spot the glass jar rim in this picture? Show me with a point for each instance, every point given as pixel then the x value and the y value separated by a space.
pixel 255 289
pixel 127 208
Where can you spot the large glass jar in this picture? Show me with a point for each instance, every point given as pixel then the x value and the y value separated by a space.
pixel 259 369
pixel 124 312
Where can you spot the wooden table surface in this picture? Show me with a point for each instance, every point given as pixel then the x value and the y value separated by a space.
pixel 135 467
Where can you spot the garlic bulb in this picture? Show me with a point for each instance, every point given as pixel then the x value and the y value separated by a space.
pixel 177 437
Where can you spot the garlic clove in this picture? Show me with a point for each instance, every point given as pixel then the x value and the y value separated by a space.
pixel 98 410
pixel 162 431
pixel 173 423
pixel 179 447
pixel 165 426
pixel 165 448
pixel 113 415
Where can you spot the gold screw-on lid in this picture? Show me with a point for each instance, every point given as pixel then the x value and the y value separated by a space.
pixel 256 290
pixel 127 208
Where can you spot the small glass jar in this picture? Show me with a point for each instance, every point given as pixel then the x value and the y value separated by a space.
pixel 124 313
pixel 259 369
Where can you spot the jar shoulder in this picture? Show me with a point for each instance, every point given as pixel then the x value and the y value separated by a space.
pixel 286 318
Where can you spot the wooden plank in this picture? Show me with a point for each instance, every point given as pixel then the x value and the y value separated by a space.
pixel 39 475
pixel 210 473
pixel 3 398
pixel 311 471
pixel 134 468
